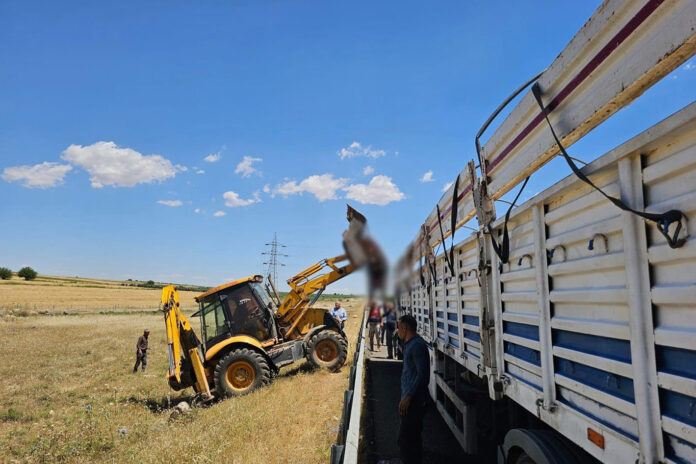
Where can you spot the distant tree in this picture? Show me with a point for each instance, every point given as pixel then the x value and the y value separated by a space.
pixel 150 283
pixel 28 273
pixel 5 274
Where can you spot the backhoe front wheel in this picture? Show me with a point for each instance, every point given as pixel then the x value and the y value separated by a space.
pixel 327 349
pixel 241 371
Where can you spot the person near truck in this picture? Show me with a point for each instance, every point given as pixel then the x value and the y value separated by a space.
pixel 373 321
pixel 415 376
pixel 382 329
pixel 339 314
pixel 389 326
pixel 141 351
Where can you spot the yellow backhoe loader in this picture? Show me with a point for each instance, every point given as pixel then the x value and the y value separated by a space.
pixel 248 333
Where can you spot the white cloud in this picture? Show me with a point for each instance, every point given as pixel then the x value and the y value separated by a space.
pixel 172 203
pixel 200 171
pixel 214 157
pixel 447 186
pixel 180 168
pixel 368 170
pixel 356 149
pixel 245 167
pixel 42 175
pixel 233 201
pixel 689 66
pixel 267 188
pixel 197 210
pixel 380 191
pixel 219 213
pixel 321 186
pixel 427 177
pixel 108 164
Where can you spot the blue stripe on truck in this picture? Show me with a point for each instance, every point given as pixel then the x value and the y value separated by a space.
pixel 676 361
pixel 607 382
pixel 471 335
pixel 524 353
pixel 612 348
pixel 521 330
pixel 678 406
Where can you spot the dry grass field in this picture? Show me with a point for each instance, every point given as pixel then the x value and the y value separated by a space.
pixel 78 294
pixel 67 394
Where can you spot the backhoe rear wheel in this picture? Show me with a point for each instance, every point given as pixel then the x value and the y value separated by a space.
pixel 327 349
pixel 241 371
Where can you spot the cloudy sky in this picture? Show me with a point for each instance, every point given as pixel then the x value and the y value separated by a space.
pixel 170 140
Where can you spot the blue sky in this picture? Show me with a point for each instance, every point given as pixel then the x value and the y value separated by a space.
pixel 109 112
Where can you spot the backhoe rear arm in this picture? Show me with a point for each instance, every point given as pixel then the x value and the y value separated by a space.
pixel 181 339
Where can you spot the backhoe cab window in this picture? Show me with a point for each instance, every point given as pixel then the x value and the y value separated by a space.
pixel 263 296
pixel 213 319
pixel 248 317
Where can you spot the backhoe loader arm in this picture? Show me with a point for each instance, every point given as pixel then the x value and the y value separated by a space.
pixel 185 365
pixel 303 285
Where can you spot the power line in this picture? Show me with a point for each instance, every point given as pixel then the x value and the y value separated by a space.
pixel 272 262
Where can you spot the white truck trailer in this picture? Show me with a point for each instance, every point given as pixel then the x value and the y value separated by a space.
pixel 566 332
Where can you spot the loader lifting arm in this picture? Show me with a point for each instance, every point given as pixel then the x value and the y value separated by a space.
pixel 303 285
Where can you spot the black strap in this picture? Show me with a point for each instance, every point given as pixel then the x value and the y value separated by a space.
pixel 449 255
pixel 503 250
pixel 444 246
pixel 433 271
pixel 420 270
pixel 663 220
pixel 455 208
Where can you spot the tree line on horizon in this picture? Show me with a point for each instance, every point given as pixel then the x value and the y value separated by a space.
pixel 26 272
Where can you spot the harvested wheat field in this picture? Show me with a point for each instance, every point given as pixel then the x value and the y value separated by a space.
pixel 79 294
pixel 68 395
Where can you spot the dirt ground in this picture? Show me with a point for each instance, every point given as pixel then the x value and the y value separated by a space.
pixel 67 394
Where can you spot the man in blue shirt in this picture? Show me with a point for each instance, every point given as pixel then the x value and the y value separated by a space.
pixel 339 314
pixel 415 376
pixel 389 326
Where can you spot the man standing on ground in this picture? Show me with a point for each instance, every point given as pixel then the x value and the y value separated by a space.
pixel 415 375
pixel 373 319
pixel 141 351
pixel 382 329
pixel 389 325
pixel 339 314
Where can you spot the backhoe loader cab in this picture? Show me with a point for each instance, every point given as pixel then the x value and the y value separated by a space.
pixel 237 308
pixel 244 342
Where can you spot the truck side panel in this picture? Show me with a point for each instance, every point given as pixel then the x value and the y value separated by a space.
pixel 597 312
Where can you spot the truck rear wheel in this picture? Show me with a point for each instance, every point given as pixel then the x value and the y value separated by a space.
pixel 241 371
pixel 327 349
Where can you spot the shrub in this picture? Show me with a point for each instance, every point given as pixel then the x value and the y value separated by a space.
pixel 28 273
pixel 5 274
pixel 11 415
pixel 150 283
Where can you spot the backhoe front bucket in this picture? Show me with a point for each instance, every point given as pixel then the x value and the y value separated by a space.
pixel 363 250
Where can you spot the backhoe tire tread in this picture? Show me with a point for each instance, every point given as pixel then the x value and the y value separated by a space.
pixel 247 357
pixel 327 338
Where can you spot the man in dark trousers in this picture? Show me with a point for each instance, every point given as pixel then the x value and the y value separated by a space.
pixel 389 324
pixel 141 351
pixel 415 376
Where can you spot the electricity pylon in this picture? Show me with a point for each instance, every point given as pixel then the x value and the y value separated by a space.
pixel 272 262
